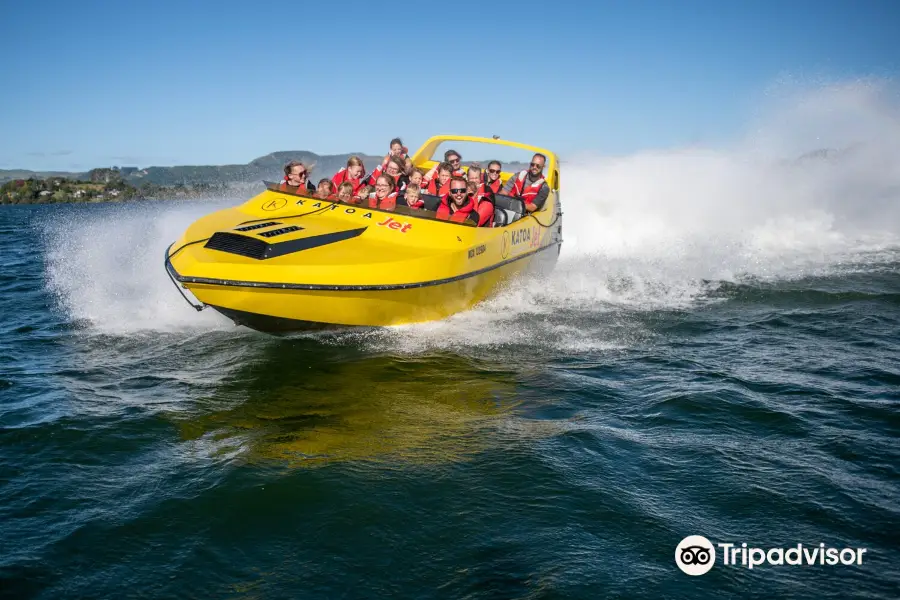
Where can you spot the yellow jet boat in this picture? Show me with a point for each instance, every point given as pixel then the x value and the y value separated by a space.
pixel 284 261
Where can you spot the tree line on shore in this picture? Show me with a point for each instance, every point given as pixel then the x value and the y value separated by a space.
pixel 100 185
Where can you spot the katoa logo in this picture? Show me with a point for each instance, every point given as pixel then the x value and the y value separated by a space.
pixel 274 204
pixel 695 555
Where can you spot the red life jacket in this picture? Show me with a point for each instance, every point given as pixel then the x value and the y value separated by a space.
pixel 342 176
pixel 435 191
pixel 496 186
pixel 284 186
pixel 526 190
pixel 458 215
pixel 388 203
pixel 485 208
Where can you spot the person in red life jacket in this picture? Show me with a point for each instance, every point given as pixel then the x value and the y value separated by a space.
pixel 363 195
pixel 452 158
pixel 385 196
pixel 416 178
pixel 398 150
pixel 412 197
pixel 455 161
pixel 296 178
pixel 492 177
pixel 530 185
pixel 474 173
pixel 483 201
pixel 345 193
pixel 395 168
pixel 458 204
pixel 325 189
pixel 441 185
pixel 393 164
pixel 354 173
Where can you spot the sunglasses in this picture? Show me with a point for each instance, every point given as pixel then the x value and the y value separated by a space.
pixel 454 161
pixel 494 171
pixel 458 191
pixel 538 165
pixel 300 174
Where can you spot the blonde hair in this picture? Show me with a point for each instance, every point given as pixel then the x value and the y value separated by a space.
pixel 355 161
pixel 413 187
pixel 327 182
pixel 345 186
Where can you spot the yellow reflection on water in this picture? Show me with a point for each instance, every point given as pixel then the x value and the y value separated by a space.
pixel 310 409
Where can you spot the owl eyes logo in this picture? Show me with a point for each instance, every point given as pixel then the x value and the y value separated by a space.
pixel 695 555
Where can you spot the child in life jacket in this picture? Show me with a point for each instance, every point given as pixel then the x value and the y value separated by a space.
pixel 362 196
pixel 325 189
pixel 345 192
pixel 416 177
pixel 441 185
pixel 413 196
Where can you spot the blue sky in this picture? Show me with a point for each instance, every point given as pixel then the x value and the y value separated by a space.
pixel 91 84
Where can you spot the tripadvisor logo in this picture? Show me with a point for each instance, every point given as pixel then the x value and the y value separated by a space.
pixel 696 555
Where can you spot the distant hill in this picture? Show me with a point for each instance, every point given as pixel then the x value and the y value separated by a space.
pixel 11 174
pixel 269 167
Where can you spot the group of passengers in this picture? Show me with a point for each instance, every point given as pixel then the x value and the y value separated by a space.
pixel 465 193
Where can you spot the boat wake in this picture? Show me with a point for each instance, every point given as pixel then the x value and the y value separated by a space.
pixel 661 230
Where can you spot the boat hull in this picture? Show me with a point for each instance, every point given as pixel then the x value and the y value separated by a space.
pixel 282 307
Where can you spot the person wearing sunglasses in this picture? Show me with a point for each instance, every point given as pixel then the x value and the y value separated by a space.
pixel 452 158
pixel 296 178
pixel 530 185
pixel 458 204
pixel 492 177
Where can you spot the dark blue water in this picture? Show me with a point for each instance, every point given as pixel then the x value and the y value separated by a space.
pixel 558 442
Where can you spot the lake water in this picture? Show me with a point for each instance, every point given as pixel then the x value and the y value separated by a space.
pixel 698 364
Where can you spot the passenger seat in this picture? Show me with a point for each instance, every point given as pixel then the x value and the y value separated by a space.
pixel 507 210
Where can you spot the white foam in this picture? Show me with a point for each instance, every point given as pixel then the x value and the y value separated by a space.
pixel 105 266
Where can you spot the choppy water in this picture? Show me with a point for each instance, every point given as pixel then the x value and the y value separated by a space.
pixel 717 353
